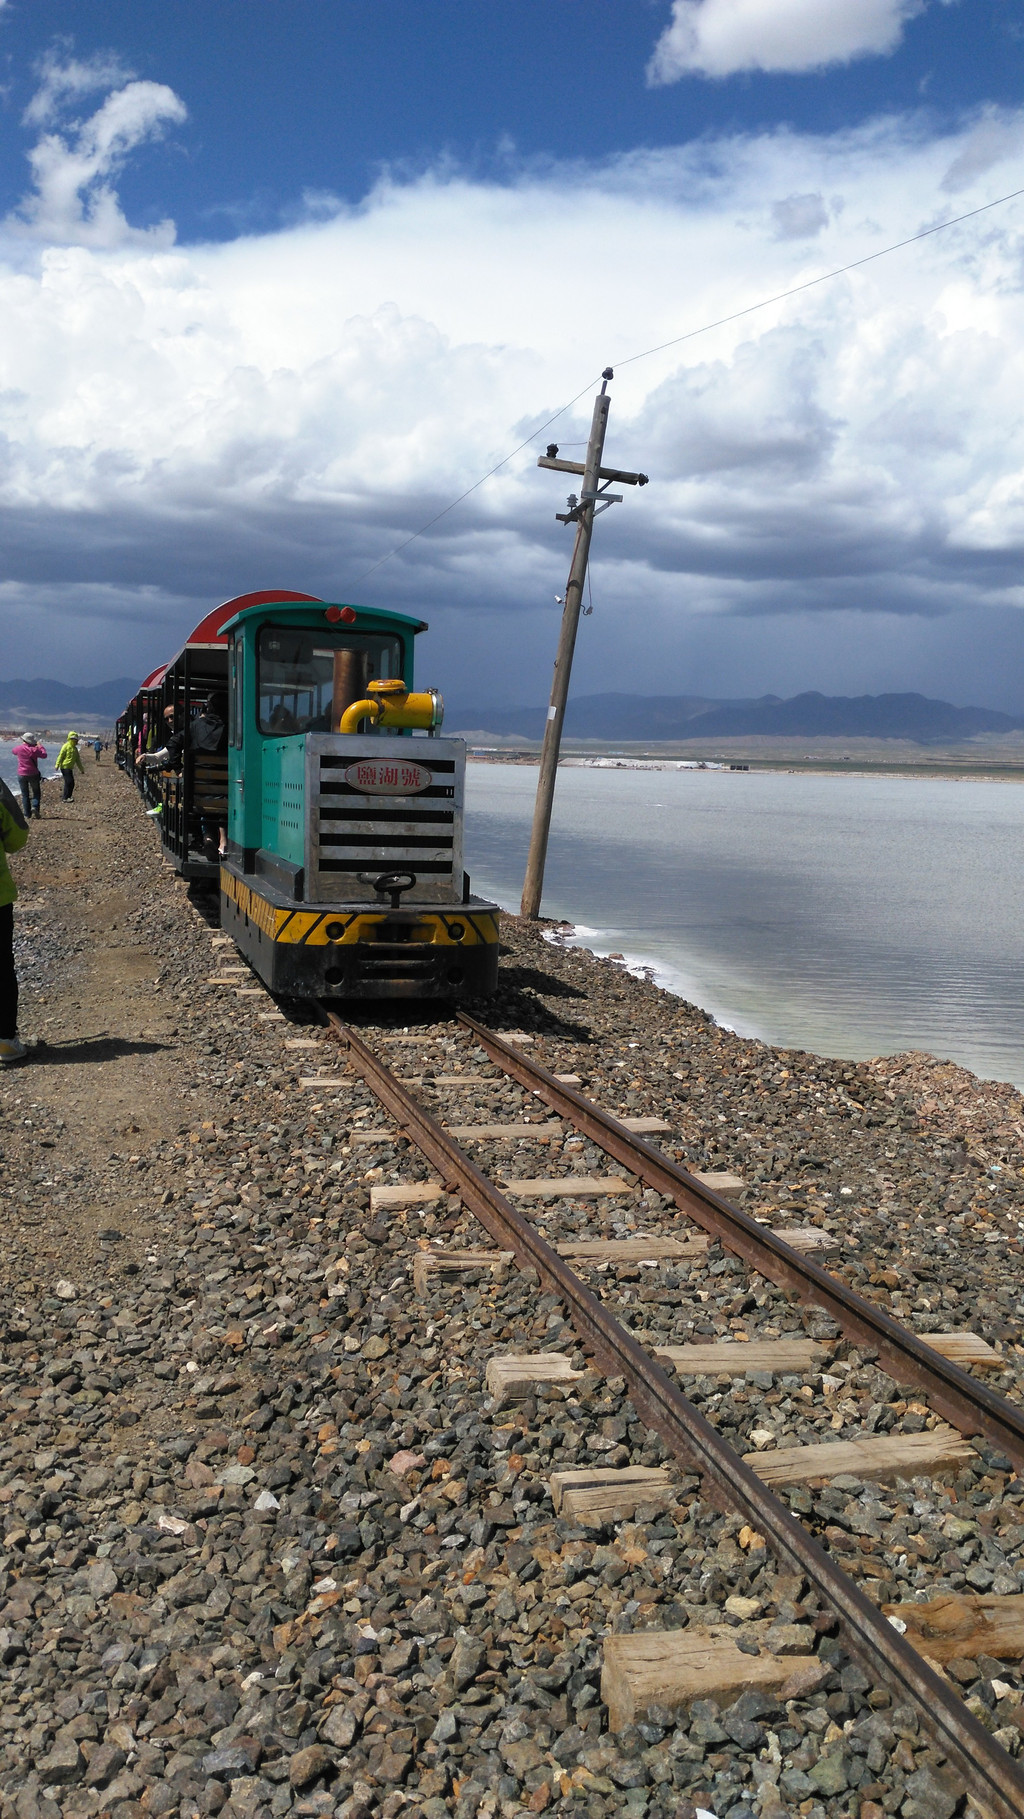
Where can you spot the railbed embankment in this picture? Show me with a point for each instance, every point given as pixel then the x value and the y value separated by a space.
pixel 270 1546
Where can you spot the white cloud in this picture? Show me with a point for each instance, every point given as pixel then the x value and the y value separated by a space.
pixel 180 423
pixel 64 77
pixel 721 37
pixel 73 200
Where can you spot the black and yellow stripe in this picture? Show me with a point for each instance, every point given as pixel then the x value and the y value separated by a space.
pixel 301 927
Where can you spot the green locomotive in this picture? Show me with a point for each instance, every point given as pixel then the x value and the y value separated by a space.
pixel 339 809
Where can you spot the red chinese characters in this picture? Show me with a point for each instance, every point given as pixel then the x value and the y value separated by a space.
pixel 388 777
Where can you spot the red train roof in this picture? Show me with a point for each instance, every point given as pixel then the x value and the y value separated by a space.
pixel 208 630
pixel 208 633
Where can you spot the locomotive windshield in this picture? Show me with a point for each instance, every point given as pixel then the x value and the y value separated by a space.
pixel 308 678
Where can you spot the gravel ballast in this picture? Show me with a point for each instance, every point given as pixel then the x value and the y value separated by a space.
pixel 269 1545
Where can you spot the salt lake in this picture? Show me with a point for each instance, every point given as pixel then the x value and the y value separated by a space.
pixel 849 915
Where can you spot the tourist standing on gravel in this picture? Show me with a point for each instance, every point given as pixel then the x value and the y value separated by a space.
pixel 68 760
pixel 97 746
pixel 27 756
pixel 13 835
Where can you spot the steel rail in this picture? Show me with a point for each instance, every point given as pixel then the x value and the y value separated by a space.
pixel 971 1406
pixel 990 1774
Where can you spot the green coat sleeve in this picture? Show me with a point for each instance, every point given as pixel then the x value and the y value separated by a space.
pixel 12 836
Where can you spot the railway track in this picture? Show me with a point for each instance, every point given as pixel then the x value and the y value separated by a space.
pixel 995 1781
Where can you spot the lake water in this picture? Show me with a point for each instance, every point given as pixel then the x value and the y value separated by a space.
pixel 852 916
pixel 8 768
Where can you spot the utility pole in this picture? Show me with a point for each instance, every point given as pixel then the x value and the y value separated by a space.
pixel 593 499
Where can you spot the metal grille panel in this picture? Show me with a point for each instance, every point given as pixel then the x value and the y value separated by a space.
pixel 349 832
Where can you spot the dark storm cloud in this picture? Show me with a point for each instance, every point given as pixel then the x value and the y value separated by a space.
pixel 183 424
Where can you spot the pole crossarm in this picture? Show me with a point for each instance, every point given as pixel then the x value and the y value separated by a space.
pixel 600 500
pixel 603 473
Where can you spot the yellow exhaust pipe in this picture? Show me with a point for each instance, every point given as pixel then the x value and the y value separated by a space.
pixel 390 703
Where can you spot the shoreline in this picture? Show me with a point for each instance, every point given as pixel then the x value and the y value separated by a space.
pixel 564 935
pixel 667 978
pixel 675 983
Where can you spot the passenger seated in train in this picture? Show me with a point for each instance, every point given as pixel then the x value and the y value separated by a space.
pixel 205 737
pixel 170 753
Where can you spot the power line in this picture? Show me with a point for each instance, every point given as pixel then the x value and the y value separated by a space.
pixel 822 278
pixel 689 335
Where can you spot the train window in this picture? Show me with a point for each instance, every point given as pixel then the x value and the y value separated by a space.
pixel 308 678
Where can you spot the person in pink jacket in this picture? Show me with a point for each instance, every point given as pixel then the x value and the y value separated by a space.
pixel 27 755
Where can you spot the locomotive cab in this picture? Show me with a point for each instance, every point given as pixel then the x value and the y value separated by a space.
pixel 344 868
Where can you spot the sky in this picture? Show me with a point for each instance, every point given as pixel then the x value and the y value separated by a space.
pixel 281 281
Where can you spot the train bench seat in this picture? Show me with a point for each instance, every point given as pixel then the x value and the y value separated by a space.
pixel 210 785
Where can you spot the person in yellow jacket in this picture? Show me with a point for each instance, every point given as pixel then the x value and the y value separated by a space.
pixel 13 835
pixel 68 760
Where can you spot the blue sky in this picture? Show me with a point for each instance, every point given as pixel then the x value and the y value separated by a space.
pixel 290 96
pixel 279 280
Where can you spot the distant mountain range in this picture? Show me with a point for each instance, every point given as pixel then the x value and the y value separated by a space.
pixel 44 699
pixel 656 717
pixel 608 717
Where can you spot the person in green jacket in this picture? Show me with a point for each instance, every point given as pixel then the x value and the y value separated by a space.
pixel 68 760
pixel 13 835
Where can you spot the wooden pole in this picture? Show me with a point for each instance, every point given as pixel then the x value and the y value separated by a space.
pixel 534 882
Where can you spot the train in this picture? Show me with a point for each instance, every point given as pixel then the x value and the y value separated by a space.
pixel 288 760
